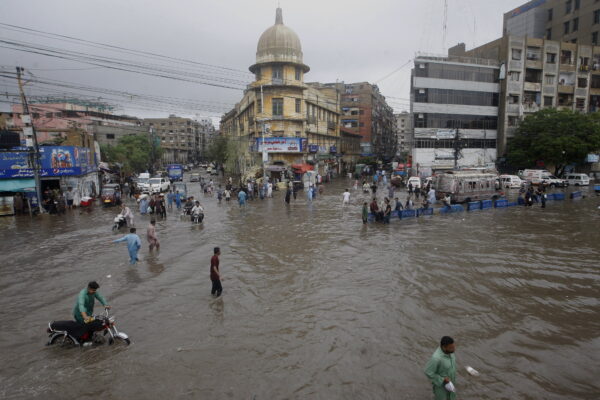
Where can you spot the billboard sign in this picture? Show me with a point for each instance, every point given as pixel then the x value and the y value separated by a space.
pixel 280 145
pixel 54 160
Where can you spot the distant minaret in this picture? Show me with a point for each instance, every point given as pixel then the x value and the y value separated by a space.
pixel 279 16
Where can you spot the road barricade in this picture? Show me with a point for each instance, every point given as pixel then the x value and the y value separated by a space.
pixel 474 205
pixel 486 204
pixel 557 196
pixel 424 211
pixel 501 203
pixel 408 214
pixel 576 195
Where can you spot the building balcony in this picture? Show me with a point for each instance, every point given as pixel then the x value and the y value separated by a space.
pixel 277 82
pixel 513 108
pixel 532 87
pixel 537 64
pixel 567 68
pixel 566 89
pixel 531 107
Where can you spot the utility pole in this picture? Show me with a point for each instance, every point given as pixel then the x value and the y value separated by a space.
pixel 264 153
pixel 30 133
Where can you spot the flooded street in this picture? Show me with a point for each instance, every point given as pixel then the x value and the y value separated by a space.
pixel 315 304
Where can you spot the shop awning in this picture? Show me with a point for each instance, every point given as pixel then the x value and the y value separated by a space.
pixel 16 185
pixel 302 168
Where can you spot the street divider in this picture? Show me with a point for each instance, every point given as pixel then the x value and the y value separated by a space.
pixel 474 205
pixel 576 195
pixel 408 214
pixel 424 211
pixel 501 203
pixel 486 204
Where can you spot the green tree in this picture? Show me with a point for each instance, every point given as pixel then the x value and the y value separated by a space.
pixel 134 152
pixel 217 151
pixel 555 137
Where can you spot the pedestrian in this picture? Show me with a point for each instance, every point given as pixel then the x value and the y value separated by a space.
pixel 309 193
pixel 294 191
pixel 69 197
pixel 219 194
pixel 374 187
pixel 441 370
pixel 127 214
pixel 374 208
pixel 170 197
pixel 355 187
pixel 250 190
pixel 365 213
pixel 543 197
pixel 387 211
pixel 133 245
pixel 288 195
pixel 261 191
pixel 151 236
pixel 269 189
pixel 178 197
pixel 410 188
pixel 227 194
pixel 215 274
pixel 161 207
pixel 398 206
pixel 346 197
pixel 242 198
pixel 391 191
pixel 431 196
pixel 18 204
pixel 143 204
pixel 447 200
pixel 409 204
pixel 417 192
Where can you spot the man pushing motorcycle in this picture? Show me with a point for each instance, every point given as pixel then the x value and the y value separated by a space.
pixel 84 307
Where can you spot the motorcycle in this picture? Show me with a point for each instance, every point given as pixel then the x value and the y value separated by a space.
pixel 119 222
pixel 197 218
pixel 73 333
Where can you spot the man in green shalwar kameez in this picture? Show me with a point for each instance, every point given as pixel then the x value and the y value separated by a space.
pixel 441 369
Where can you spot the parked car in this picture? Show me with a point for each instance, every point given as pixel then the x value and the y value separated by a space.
pixel 543 177
pixel 181 187
pixel 209 169
pixel 578 179
pixel 415 180
pixel 157 185
pixel 511 181
pixel 195 177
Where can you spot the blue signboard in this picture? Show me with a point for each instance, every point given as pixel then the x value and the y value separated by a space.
pixel 313 148
pixel 333 149
pixel 54 160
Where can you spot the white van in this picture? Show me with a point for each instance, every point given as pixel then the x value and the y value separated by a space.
pixel 511 181
pixel 578 179
pixel 416 182
pixel 542 177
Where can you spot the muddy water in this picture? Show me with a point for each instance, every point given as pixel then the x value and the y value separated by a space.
pixel 316 305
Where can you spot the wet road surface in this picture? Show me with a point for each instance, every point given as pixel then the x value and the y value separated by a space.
pixel 315 304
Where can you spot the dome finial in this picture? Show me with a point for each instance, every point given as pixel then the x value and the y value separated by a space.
pixel 279 16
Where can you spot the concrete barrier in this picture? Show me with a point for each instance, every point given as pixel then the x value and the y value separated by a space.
pixel 408 214
pixel 424 211
pixel 474 205
pixel 486 204
pixel 501 203
pixel 576 195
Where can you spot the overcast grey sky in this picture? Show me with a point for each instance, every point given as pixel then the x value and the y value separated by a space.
pixel 349 40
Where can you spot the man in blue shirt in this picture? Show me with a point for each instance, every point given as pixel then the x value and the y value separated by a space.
pixel 242 198
pixel 133 245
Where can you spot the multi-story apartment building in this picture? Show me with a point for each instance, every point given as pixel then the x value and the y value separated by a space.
pixel 573 21
pixel 365 112
pixel 404 135
pixel 454 103
pixel 183 140
pixel 539 74
pixel 300 121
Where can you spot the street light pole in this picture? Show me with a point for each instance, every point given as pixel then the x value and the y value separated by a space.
pixel 262 107
pixel 36 149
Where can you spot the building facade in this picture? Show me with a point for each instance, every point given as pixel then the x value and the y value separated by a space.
pixel 299 121
pixel 541 74
pixel 183 140
pixel 404 136
pixel 454 103
pixel 573 21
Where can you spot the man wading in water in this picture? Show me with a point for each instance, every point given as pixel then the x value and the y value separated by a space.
pixel 215 275
pixel 441 370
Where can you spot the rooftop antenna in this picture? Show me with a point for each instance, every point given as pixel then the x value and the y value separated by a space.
pixel 445 25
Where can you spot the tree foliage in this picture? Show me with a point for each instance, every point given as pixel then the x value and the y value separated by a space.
pixel 217 151
pixel 135 153
pixel 555 137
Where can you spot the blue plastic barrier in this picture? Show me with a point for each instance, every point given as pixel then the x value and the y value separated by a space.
pixel 371 217
pixel 501 203
pixel 576 195
pixel 395 214
pixel 424 211
pixel 486 204
pixel 512 204
pixel 474 205
pixel 597 188
pixel 408 214
pixel 558 196
pixel 452 209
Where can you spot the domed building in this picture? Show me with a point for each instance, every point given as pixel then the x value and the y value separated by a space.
pixel 300 120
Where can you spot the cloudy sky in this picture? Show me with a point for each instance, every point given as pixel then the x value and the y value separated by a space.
pixel 346 40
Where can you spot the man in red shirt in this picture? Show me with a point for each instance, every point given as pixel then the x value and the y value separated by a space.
pixel 215 275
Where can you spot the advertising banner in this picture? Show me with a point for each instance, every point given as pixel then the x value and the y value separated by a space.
pixel 280 145
pixel 55 161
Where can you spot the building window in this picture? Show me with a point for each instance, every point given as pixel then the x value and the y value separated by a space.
pixel 278 107
pixel 549 34
pixel 110 135
pixel 565 57
pixel 575 24
pixel 512 120
pixel 298 105
pixel 566 26
pixel 298 74
pixel 568 6
pixel 551 58
pixel 577 4
pixel 362 124
pixel 277 72
pixel 534 53
pixel 513 99
pixel 580 104
pixel 298 133
pixel 582 82
pixel 550 15
pixel 514 76
pixel 549 80
pixel 259 106
pixel 548 101
pixel 516 54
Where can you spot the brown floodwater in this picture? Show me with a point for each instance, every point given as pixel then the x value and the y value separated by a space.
pixel 315 304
